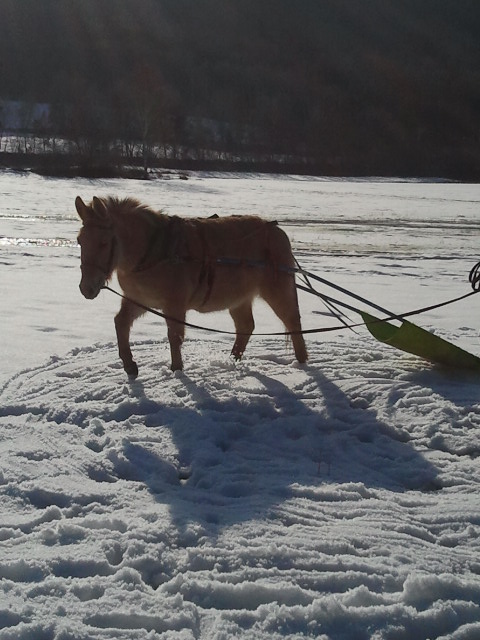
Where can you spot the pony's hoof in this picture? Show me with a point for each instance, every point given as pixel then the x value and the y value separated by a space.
pixel 236 355
pixel 132 370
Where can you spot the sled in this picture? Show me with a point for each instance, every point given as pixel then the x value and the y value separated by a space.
pixel 407 337
pixel 419 342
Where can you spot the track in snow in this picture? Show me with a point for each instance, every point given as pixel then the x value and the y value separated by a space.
pixel 262 499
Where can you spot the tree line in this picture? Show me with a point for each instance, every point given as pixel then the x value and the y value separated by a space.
pixel 334 86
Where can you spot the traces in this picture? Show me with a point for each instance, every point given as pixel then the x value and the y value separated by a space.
pixel 84 568
pixel 42 498
pixel 23 571
pixel 448 425
pixel 89 591
pixel 242 595
pixel 145 622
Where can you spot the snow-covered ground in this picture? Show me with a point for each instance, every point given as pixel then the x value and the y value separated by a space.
pixel 254 500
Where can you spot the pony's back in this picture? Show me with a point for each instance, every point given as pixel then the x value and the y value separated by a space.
pixel 238 239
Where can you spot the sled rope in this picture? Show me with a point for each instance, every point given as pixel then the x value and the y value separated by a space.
pixel 474 279
pixel 225 331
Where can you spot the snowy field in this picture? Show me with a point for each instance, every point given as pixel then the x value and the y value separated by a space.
pixel 259 499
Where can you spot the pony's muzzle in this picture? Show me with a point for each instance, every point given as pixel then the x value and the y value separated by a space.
pixel 89 290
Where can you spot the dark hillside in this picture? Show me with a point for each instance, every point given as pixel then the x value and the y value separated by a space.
pixel 347 87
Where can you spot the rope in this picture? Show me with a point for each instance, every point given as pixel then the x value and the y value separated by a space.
pixel 394 316
pixel 231 333
pixel 474 279
pixel 332 305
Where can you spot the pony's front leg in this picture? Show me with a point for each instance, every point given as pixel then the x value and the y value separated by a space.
pixel 123 323
pixel 176 333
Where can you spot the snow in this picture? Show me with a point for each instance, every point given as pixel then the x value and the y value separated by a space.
pixel 259 499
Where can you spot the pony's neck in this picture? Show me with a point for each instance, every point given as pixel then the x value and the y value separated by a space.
pixel 137 236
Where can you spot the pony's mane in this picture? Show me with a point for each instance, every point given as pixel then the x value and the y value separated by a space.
pixel 130 206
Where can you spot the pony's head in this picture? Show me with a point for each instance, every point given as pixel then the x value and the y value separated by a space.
pixel 97 246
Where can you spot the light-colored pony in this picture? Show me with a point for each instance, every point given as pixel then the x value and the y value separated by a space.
pixel 176 264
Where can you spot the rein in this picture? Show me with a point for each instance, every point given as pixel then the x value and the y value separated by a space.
pixel 474 277
pixel 310 289
pixel 234 333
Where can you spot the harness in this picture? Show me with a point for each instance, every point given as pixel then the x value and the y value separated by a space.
pixel 390 316
pixel 164 246
pixel 167 250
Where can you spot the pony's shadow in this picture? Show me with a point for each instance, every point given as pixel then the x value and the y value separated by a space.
pixel 236 463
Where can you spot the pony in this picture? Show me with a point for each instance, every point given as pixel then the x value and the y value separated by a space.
pixel 176 264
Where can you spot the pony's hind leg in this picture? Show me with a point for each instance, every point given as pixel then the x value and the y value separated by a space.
pixel 123 323
pixel 284 302
pixel 244 326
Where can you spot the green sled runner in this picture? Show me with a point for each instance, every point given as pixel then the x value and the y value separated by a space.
pixel 412 339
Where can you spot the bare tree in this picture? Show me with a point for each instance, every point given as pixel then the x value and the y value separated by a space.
pixel 150 106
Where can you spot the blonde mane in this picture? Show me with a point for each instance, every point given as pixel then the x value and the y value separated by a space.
pixel 131 206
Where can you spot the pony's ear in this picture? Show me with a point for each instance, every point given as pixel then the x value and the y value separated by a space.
pixel 99 207
pixel 81 208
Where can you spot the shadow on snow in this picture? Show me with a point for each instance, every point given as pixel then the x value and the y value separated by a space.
pixel 238 462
